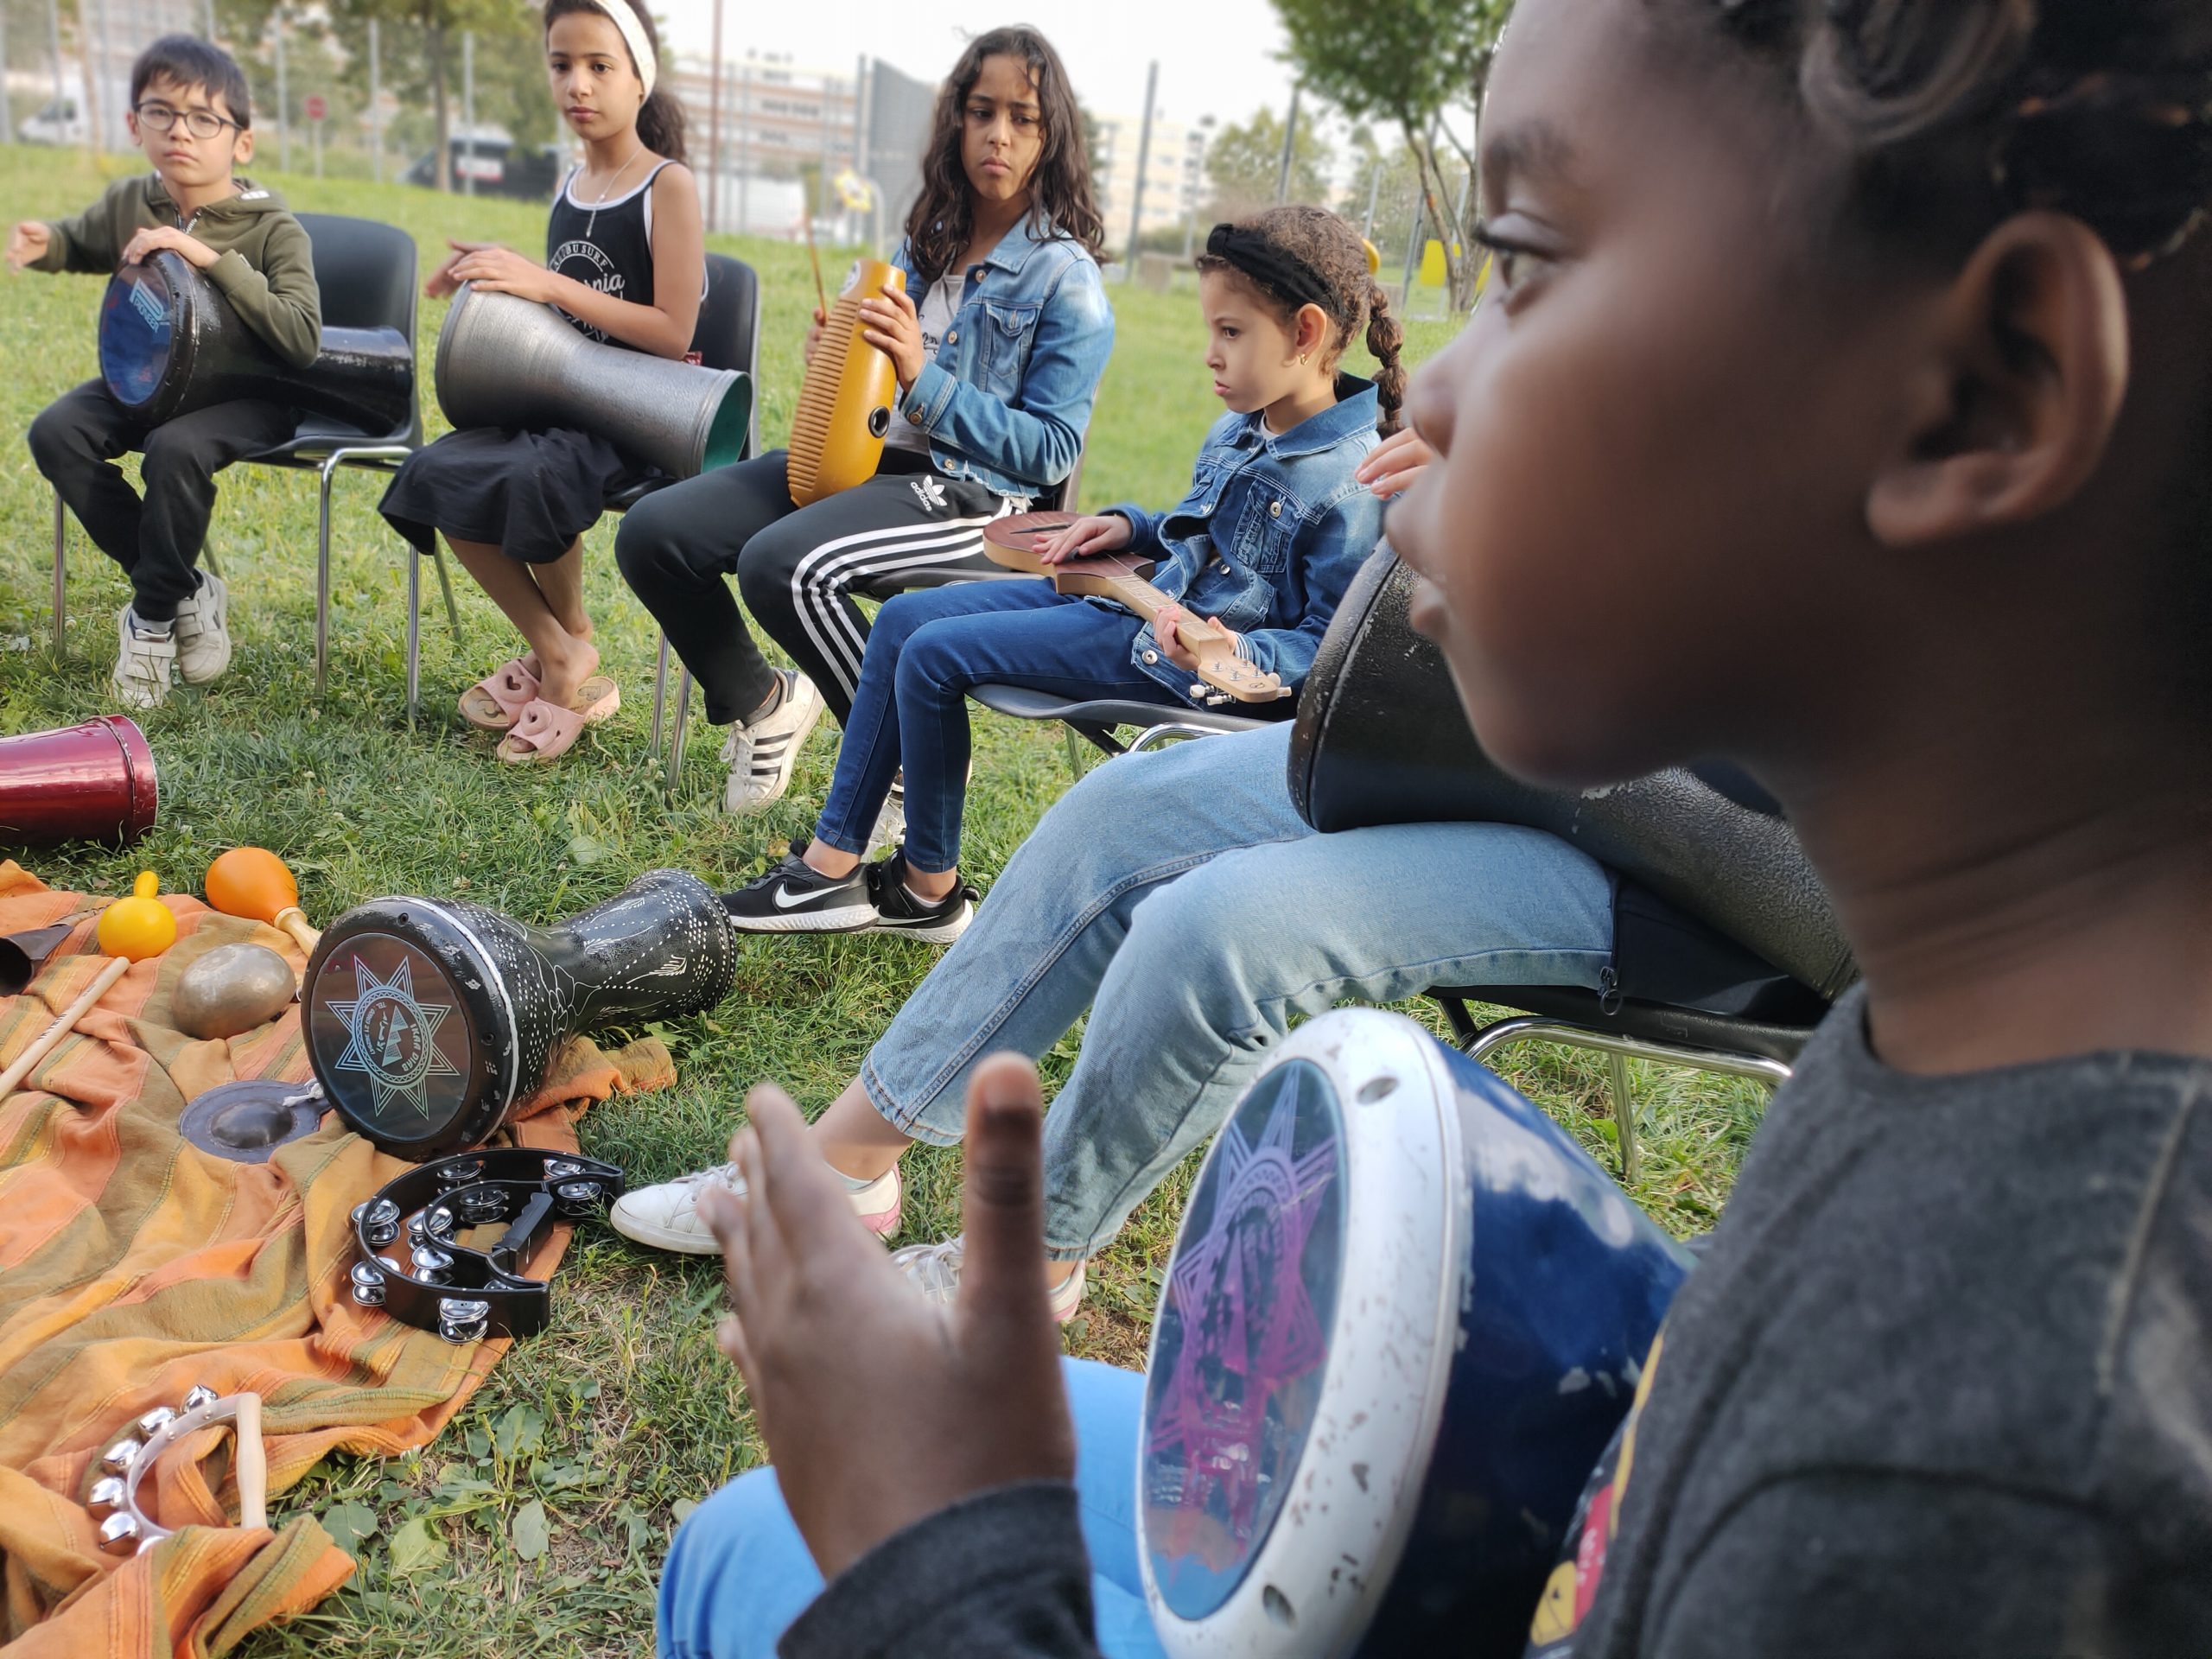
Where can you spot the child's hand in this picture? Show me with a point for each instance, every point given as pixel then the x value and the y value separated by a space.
pixel 27 243
pixel 502 270
pixel 814 334
pixel 1392 466
pixel 894 328
pixel 958 1400
pixel 159 239
pixel 1085 538
pixel 443 282
pixel 1167 624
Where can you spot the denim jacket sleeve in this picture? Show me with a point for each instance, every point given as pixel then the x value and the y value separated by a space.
pixel 1037 436
pixel 1328 554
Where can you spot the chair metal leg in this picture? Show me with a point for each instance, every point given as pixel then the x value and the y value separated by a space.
pixel 1077 761
pixel 207 557
pixel 660 695
pixel 676 737
pixel 60 578
pixel 414 634
pixel 445 587
pixel 1623 1114
pixel 322 581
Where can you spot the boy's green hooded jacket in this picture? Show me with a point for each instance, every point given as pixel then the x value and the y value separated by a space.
pixel 267 267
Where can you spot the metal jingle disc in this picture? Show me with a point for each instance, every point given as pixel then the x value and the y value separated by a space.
pixel 246 1120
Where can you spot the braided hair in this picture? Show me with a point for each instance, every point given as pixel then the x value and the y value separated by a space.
pixel 1324 244
pixel 1957 113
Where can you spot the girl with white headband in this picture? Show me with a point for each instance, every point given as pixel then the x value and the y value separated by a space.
pixel 625 264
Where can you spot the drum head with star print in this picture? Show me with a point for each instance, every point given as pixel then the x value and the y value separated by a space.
pixel 407 1031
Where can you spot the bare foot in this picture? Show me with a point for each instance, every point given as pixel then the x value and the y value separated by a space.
pixel 561 677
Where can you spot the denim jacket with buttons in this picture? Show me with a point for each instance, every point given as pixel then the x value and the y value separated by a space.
pixel 1269 537
pixel 1006 399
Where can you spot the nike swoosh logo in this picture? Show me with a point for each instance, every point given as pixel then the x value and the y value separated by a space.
pixel 783 899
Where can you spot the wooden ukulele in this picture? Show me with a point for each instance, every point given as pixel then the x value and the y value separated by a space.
pixel 1222 674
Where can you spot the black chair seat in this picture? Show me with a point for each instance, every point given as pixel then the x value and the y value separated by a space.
pixel 623 500
pixel 318 435
pixel 1024 703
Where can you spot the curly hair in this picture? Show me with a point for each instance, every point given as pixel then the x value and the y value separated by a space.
pixel 660 121
pixel 1061 201
pixel 1956 113
pixel 1328 247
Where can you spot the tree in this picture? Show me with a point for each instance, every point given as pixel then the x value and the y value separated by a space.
pixel 421 46
pixel 1406 62
pixel 1242 164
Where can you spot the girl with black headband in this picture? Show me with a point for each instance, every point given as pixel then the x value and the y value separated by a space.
pixel 1275 522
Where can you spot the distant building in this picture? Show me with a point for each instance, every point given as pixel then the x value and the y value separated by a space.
pixel 1174 173
pixel 777 118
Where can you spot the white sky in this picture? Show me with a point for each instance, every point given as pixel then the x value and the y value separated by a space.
pixel 1217 57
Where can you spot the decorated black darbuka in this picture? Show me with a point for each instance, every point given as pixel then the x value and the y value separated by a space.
pixel 170 343
pixel 428 1018
pixel 1404 1317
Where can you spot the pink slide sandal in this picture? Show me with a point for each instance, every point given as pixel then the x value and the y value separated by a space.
pixel 546 732
pixel 496 702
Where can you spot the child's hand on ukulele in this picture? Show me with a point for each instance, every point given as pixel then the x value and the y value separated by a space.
pixel 1167 623
pixel 27 242
pixel 1393 465
pixel 1085 538
pixel 442 281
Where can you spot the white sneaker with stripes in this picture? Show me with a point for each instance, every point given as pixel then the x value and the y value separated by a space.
pixel 762 755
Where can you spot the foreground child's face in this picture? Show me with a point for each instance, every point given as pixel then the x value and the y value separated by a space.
pixel 1252 356
pixel 184 162
pixel 1657 428
pixel 588 66
pixel 1001 130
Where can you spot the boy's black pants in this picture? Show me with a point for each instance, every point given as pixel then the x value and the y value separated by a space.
pixel 75 442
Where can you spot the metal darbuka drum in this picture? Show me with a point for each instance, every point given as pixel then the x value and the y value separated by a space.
pixel 505 361
pixel 1381 739
pixel 1404 1317
pixel 427 1019
pixel 170 343
pixel 94 782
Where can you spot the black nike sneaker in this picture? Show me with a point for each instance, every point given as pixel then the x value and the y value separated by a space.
pixel 793 898
pixel 898 911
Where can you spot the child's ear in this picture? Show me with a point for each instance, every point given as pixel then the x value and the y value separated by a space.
pixel 1309 331
pixel 242 149
pixel 2019 388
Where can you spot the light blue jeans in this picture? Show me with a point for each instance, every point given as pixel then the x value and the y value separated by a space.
pixel 1179 897
pixel 739 1572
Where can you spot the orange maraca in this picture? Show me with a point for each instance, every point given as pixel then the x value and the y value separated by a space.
pixel 253 882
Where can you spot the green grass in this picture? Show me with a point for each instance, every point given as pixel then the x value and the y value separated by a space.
pixel 606 1429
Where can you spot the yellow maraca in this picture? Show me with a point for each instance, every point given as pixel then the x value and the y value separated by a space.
pixel 130 930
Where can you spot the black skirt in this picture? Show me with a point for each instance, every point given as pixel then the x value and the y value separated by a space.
pixel 528 493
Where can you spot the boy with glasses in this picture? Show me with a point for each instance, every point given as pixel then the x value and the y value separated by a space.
pixel 190 113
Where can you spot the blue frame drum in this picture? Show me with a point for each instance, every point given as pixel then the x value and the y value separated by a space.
pixel 1405 1315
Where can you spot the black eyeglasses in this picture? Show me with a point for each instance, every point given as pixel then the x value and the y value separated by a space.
pixel 200 123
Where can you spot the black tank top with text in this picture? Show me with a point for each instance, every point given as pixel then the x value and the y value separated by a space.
pixel 609 247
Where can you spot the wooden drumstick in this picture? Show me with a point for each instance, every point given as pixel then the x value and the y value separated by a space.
pixel 253 882
pixel 252 1464
pixel 131 930
pixel 821 294
pixel 64 1023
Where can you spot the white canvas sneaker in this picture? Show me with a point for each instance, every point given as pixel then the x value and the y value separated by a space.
pixel 667 1217
pixel 145 663
pixel 890 823
pixel 761 756
pixel 934 1270
pixel 203 630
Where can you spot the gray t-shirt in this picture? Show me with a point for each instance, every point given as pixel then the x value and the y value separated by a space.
pixel 939 301
pixel 1941 1385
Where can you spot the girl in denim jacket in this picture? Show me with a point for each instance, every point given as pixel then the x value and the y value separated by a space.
pixel 1264 546
pixel 998 342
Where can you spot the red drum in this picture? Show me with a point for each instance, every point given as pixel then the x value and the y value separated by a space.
pixel 94 782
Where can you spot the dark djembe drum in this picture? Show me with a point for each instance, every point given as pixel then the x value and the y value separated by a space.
pixel 427 1019
pixel 1405 1315
pixel 170 343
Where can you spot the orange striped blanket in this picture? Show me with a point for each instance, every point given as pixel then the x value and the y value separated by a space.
pixel 133 1265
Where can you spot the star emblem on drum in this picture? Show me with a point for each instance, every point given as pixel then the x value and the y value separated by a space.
pixel 1249 1327
pixel 391 1035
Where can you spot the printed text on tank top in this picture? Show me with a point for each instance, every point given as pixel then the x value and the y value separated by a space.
pixel 606 245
